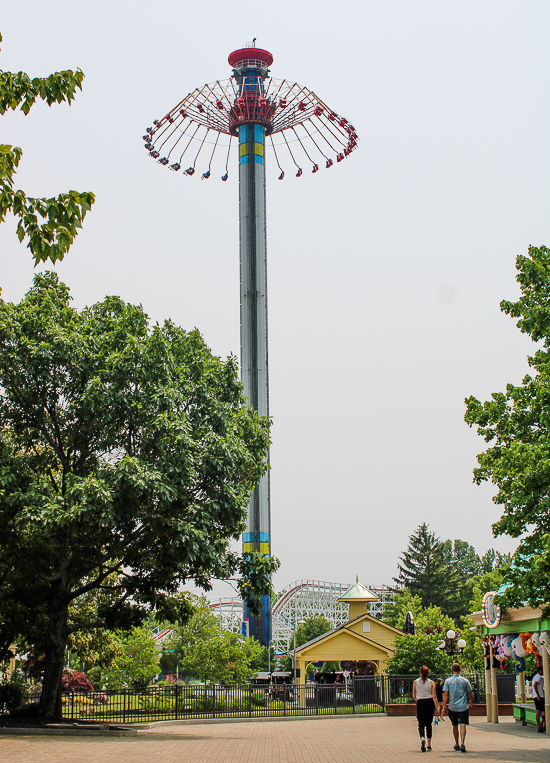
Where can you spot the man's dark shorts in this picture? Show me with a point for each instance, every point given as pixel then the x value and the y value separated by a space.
pixel 460 716
pixel 539 703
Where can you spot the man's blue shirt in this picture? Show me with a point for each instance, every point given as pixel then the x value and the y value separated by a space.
pixel 458 688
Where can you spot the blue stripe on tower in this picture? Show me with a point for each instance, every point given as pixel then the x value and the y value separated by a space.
pixel 246 133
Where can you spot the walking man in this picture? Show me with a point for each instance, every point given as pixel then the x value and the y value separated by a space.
pixel 538 696
pixel 458 695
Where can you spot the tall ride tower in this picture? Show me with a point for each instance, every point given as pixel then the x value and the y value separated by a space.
pixel 250 69
pixel 249 109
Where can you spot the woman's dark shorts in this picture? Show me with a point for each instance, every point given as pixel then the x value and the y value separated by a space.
pixel 459 716
pixel 539 703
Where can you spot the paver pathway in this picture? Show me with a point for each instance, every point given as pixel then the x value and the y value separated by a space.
pixel 331 740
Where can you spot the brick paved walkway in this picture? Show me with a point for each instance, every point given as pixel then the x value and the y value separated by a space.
pixel 333 740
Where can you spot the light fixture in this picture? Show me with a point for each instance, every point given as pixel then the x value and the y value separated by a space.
pixel 451 645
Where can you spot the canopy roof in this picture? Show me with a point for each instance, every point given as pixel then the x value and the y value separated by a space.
pixel 358 592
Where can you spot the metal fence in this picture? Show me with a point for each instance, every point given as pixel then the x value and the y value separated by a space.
pixel 398 689
pixel 194 702
pixel 366 694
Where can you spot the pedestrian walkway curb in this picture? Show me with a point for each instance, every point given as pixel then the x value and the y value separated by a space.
pixel 263 719
pixel 68 732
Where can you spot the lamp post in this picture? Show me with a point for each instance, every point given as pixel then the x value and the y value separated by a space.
pixel 452 645
pixel 269 659
pixel 300 622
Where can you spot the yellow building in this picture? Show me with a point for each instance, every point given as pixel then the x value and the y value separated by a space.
pixel 362 639
pixel 9 664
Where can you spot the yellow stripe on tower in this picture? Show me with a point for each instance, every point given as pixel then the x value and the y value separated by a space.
pixel 249 548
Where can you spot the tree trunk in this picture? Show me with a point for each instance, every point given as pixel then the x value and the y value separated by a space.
pixel 50 700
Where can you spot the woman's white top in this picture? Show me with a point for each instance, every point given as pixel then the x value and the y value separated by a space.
pixel 424 689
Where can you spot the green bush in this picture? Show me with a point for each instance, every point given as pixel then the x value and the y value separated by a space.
pixel 157 704
pixel 14 692
pixel 240 704
pixel 260 699
pixel 95 676
pixel 202 704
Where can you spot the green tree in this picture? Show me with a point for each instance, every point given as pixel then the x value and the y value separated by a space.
pixel 412 652
pixel 93 647
pixel 494 560
pixel 62 215
pixel 265 660
pixel 515 425
pixel 310 629
pixel 204 651
pixel 125 449
pixel 223 658
pixel 138 658
pixel 427 569
pixel 466 559
pixel 424 617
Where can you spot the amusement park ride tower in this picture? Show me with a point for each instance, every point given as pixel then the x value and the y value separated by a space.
pixel 250 107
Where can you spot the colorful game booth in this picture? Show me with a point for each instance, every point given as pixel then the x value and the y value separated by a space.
pixel 513 634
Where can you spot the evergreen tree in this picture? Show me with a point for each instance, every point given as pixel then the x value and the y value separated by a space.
pixel 494 560
pixel 428 570
pixel 466 559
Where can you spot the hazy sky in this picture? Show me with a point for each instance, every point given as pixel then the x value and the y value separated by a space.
pixel 385 274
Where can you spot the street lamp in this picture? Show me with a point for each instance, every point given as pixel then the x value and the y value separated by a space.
pixel 452 645
pixel 300 622
pixel 269 659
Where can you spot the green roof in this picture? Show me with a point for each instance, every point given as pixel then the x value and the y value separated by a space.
pixel 358 592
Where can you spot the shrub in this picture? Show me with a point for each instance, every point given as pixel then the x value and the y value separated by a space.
pixel 75 681
pixel 157 704
pixel 14 692
pixel 239 704
pixel 95 676
pixel 260 699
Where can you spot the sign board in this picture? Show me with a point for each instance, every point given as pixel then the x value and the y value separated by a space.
pixel 492 614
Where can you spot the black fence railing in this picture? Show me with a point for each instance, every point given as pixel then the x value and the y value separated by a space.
pixel 365 694
pixel 399 688
pixel 196 702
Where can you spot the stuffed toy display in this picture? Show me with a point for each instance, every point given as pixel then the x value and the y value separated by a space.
pixel 519 653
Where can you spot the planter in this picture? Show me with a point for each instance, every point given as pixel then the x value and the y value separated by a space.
pixel 476 710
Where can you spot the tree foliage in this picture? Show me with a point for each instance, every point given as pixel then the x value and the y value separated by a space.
pixel 441 573
pixel 125 451
pixel 138 659
pixel 206 652
pixel 62 215
pixel 412 652
pixel 515 424
pixel 310 629
pixel 424 617
pixel 94 647
pixel 428 570
pixel 74 680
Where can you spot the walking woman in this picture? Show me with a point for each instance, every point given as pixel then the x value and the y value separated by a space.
pixel 426 703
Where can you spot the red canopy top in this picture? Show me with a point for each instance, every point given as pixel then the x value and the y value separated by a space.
pixel 250 54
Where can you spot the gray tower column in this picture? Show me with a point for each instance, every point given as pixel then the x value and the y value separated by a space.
pixel 254 359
